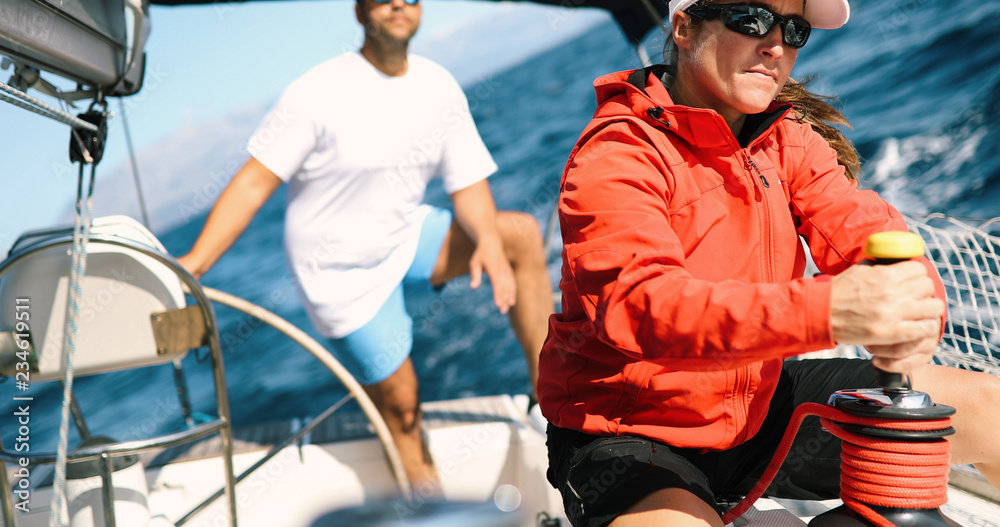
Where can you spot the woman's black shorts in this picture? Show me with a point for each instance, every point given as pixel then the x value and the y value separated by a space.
pixel 601 477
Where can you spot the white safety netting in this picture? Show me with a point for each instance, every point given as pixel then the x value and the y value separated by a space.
pixel 967 256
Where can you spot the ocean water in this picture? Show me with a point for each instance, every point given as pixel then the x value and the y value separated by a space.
pixel 919 79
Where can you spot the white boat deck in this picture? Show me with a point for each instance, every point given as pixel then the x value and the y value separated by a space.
pixel 484 447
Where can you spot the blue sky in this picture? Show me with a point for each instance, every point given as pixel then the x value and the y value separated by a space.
pixel 205 61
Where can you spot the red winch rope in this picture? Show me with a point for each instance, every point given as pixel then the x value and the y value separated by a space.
pixel 881 472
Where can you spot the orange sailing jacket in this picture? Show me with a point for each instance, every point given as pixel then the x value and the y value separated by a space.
pixel 682 268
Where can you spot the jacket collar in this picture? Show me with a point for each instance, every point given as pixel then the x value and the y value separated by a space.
pixel 641 93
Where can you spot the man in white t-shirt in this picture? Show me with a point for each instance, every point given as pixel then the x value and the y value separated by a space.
pixel 357 139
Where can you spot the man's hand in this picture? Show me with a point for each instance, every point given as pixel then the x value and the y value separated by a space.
pixel 188 263
pixel 475 212
pixel 489 258
pixel 890 309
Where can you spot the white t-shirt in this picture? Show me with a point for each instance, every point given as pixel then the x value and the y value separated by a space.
pixel 357 149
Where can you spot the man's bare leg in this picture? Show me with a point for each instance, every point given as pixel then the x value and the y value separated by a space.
pixel 398 400
pixel 522 240
pixel 529 317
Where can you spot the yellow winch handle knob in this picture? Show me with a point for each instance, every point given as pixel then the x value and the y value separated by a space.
pixel 894 245
pixel 886 248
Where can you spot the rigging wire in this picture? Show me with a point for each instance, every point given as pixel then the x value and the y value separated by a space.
pixel 135 164
pixel 20 99
pixel 179 381
pixel 23 100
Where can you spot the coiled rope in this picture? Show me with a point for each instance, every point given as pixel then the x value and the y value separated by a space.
pixel 874 471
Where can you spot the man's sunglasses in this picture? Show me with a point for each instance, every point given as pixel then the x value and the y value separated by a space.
pixel 408 2
pixel 755 21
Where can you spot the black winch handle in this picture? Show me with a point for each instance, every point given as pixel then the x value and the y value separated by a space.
pixel 888 248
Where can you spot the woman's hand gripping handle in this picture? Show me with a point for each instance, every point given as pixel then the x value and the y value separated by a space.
pixel 887 304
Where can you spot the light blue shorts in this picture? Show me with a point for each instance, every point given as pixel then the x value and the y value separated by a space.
pixel 376 350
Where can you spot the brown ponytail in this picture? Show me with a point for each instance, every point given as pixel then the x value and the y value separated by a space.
pixel 817 111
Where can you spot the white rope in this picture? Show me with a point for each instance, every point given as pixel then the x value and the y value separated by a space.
pixel 23 100
pixel 81 234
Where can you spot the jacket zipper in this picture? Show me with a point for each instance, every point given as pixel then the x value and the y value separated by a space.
pixel 742 377
pixel 740 389
pixel 759 173
pixel 765 227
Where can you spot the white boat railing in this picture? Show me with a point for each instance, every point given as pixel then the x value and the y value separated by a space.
pixel 44 261
pixel 321 354
pixel 204 296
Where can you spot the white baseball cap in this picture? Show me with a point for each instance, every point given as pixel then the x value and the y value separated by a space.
pixel 821 14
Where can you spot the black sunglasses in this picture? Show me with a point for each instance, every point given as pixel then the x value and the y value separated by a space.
pixel 755 21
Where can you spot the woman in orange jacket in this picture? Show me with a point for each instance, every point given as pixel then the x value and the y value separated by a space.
pixel 681 208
